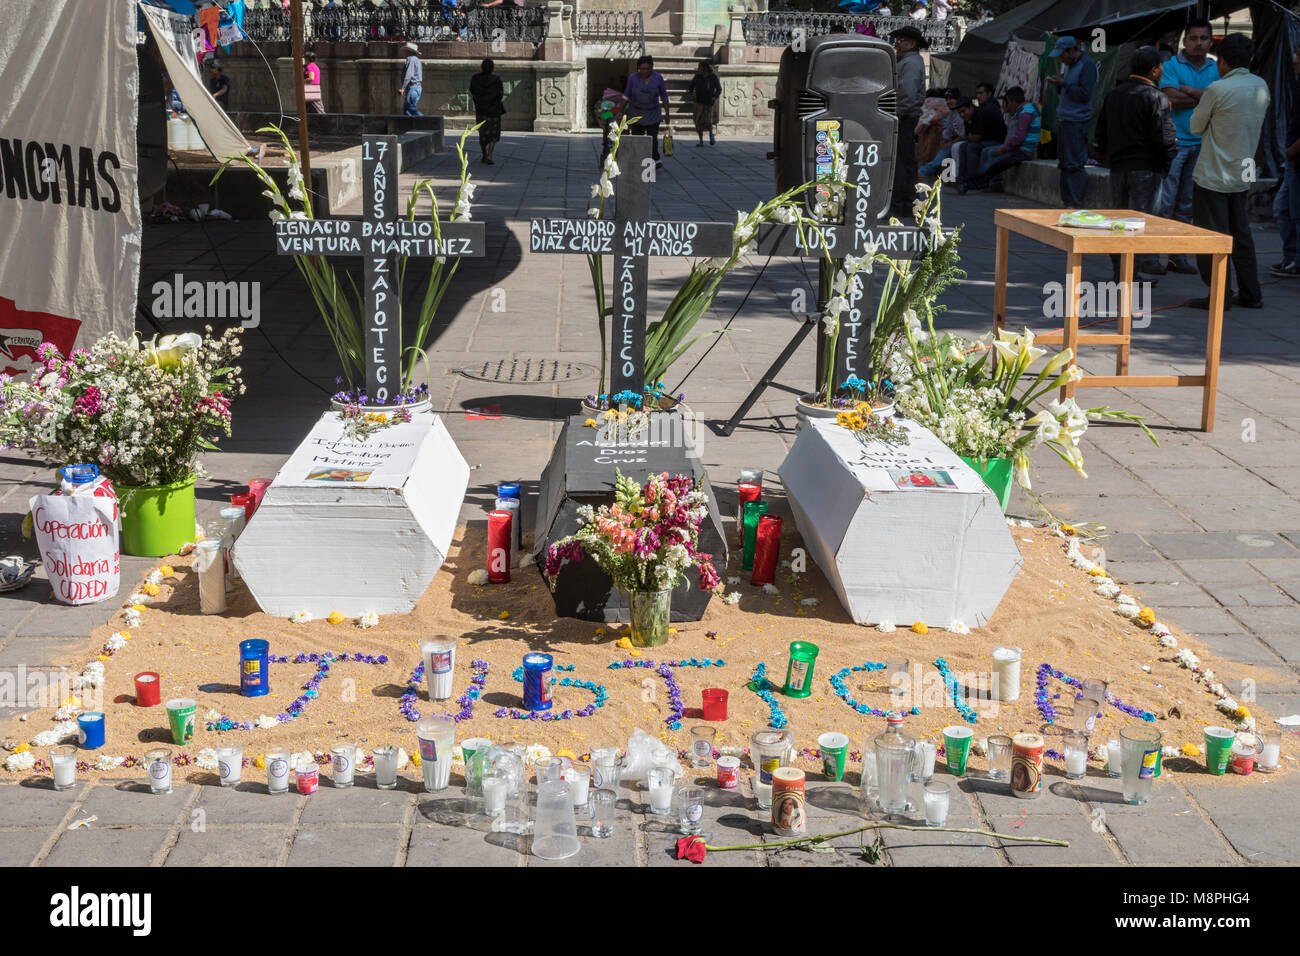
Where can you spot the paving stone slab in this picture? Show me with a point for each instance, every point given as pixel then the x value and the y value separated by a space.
pixel 356 805
pixel 248 803
pixel 1176 595
pixel 1249 594
pixel 1183 839
pixel 1218 545
pixel 1144 572
pixel 347 845
pixel 1204 620
pixel 229 846
pixel 1057 797
pixel 1267 621
pixel 1104 792
pixel 437 845
pixel 1251 815
pixel 131 846
pixel 1240 648
pixel 118 802
pixel 20 847
pixel 1218 573
pixel 1087 845
pixel 36 803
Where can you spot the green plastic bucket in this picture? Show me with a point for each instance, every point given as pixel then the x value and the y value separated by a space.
pixel 156 520
pixel 998 474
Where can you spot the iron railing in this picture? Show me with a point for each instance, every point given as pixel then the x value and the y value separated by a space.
pixel 416 21
pixel 778 28
pixel 621 31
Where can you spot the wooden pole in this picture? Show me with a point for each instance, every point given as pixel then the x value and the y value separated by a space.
pixel 304 148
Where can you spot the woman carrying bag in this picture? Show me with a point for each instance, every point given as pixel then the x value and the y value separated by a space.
pixel 705 90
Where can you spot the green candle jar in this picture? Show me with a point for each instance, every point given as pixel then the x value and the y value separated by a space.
pixel 799 672
pixel 754 510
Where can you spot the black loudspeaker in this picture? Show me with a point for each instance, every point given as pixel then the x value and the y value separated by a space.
pixel 840 87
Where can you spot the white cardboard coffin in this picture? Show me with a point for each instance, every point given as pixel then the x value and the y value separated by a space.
pixel 355 526
pixel 931 554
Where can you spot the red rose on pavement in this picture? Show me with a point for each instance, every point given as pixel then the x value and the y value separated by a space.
pixel 691 848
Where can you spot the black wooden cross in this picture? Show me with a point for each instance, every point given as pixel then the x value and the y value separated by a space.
pixel 381 236
pixel 631 237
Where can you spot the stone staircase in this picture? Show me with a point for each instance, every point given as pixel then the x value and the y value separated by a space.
pixel 677 72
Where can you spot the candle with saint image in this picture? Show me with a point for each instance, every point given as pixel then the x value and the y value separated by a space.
pixel 498 556
pixel 767 549
pixel 439 662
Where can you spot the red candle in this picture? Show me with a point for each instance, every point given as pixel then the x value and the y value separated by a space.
pixel 715 704
pixel 498 557
pixel 247 502
pixel 748 491
pixel 766 550
pixel 147 689
pixel 257 488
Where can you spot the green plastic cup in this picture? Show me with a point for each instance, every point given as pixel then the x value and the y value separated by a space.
pixel 835 750
pixel 799 672
pixel 472 746
pixel 1218 749
pixel 956 746
pixel 180 717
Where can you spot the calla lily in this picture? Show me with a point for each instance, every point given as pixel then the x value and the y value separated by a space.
pixel 1022 471
pixel 1059 359
pixel 169 351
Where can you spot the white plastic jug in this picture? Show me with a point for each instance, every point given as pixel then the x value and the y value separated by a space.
pixel 556 833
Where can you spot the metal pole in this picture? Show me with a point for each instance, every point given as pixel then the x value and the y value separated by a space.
pixel 304 149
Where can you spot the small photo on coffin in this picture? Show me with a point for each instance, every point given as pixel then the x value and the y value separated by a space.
pixel 928 478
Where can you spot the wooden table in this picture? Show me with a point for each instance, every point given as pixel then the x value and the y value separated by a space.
pixel 1161 236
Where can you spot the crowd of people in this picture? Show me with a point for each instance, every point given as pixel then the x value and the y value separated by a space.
pixel 1179 134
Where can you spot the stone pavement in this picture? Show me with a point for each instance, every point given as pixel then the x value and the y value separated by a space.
pixel 1207 526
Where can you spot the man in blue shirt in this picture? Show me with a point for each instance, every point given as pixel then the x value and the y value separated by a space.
pixel 412 81
pixel 1022 140
pixel 1073 113
pixel 1184 78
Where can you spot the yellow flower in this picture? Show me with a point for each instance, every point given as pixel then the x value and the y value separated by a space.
pixel 1191 750
pixel 124 635
pixel 610 414
pixel 336 617
pixel 259 762
pixel 672 630
pixel 623 642
pixel 102 657
pixel 138 607
pixel 634 652
pixel 415 759
pixel 1146 615
pixel 1096 572
pixel 166 570
pixel 503 616
pixel 590 423
pixel 1069 529
pixel 600 632
pixel 22 748
pixel 152 590
pixel 920 627
pixel 566 752
pixel 1241 713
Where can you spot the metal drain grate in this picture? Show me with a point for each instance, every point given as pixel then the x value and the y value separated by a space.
pixel 527 371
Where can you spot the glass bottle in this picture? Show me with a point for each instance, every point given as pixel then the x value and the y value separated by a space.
pixel 894 749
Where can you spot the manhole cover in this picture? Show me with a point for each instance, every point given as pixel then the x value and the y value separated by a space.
pixel 527 371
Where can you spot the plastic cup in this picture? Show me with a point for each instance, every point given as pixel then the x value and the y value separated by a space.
pixel 835 750
pixel 956 743
pixel 473 745
pixel 1140 748
pixel 1218 749
pixel 180 718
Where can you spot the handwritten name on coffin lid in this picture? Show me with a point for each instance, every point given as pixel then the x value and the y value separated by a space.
pixel 384 461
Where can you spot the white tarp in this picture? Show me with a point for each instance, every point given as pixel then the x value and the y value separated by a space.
pixel 174 34
pixel 69 210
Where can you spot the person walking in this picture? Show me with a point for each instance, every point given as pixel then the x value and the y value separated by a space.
pixel 1021 143
pixel 488 94
pixel 1135 129
pixel 1184 80
pixel 908 43
pixel 412 81
pixel 1286 206
pixel 608 108
pixel 311 82
pixel 1228 118
pixel 705 90
pixel 642 97
pixel 1073 113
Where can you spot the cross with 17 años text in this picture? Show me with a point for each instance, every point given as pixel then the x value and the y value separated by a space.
pixel 381 237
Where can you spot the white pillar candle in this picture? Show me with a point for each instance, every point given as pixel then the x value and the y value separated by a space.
pixel 277 771
pixel 210 566
pixel 1114 754
pixel 1270 756
pixel 661 797
pixel 345 759
pixel 579 781
pixel 1076 762
pixel 494 795
pixel 923 763
pixel 65 770
pixel 230 761
pixel 1006 668
pixel 439 663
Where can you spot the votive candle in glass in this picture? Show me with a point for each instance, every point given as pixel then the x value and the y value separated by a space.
pixel 148 691
pixel 499 543
pixel 578 777
pixel 767 550
pixel 1114 756
pixel 245 501
pixel 386 767
pixel 277 770
pixel 1270 754
pixel 257 488
pixel 158 764
pixel 230 764
pixel 1076 756
pixel 345 764
pixel 63 764
pixel 754 511
pixel 746 492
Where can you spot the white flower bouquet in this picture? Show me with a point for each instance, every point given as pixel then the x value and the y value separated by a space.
pixel 142 412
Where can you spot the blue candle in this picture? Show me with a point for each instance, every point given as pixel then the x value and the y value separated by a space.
pixel 90 730
pixel 509 489
pixel 254 679
pixel 537 681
